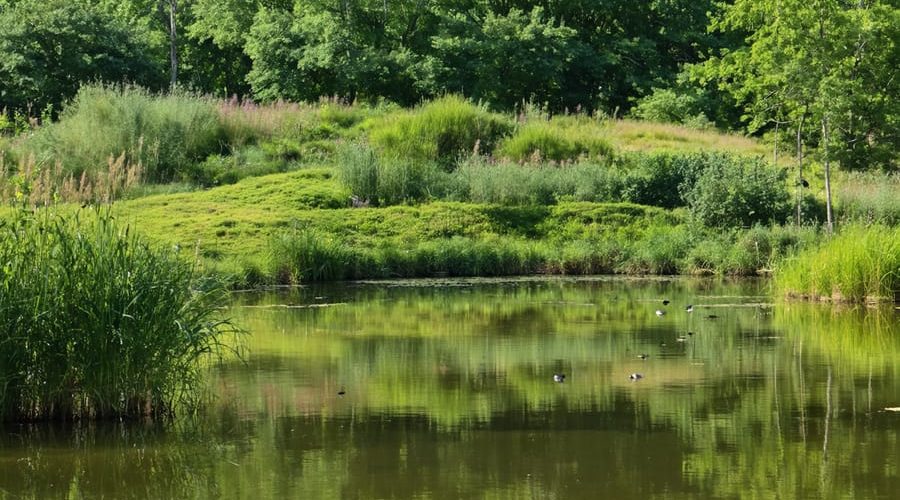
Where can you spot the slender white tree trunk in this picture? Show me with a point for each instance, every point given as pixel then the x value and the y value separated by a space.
pixel 828 212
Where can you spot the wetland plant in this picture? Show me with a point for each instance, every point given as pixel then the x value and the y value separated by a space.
pixel 95 323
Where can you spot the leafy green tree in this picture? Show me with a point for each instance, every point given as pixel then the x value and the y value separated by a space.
pixel 826 67
pixel 504 59
pixel 48 48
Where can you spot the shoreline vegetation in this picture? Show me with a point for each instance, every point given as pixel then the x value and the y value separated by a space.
pixel 294 193
pixel 95 323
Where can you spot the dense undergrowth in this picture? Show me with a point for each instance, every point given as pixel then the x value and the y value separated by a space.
pixel 338 191
pixel 96 323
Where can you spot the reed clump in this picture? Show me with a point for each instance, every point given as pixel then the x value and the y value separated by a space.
pixel 859 264
pixel 38 186
pixel 441 131
pixel 95 323
pixel 563 138
pixel 166 134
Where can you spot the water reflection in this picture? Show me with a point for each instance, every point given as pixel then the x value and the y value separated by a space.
pixel 449 393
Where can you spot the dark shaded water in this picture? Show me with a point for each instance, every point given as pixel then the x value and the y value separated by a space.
pixel 449 393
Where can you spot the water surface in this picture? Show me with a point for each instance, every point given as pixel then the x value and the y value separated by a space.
pixel 449 393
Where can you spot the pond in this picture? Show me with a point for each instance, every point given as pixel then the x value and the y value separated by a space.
pixel 445 389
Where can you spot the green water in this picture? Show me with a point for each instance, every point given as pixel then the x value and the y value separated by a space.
pixel 449 393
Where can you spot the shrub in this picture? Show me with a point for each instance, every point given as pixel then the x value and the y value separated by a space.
pixel 164 134
pixel 739 192
pixel 94 323
pixel 559 139
pixel 439 131
pixel 671 106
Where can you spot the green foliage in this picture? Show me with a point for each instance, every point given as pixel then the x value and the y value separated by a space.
pixel 814 66
pixel 868 198
pixel 387 180
pixel 442 131
pixel 50 47
pixel 735 192
pixel 227 169
pixel 566 138
pixel 859 264
pixel 98 324
pixel 530 52
pixel 166 135
pixel 671 106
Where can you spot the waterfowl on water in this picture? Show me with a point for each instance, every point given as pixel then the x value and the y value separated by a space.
pixel 635 376
pixel 712 316
pixel 681 338
pixel 559 377
pixel 643 356
pixel 666 302
pixel 660 313
pixel 689 308
pixel 342 392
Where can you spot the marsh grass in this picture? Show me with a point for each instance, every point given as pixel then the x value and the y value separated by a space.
pixel 440 131
pixel 37 185
pixel 165 134
pixel 859 264
pixel 95 323
pixel 561 138
pixel 868 198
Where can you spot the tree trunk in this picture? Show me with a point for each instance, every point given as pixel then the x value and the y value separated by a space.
pixel 800 166
pixel 173 47
pixel 828 213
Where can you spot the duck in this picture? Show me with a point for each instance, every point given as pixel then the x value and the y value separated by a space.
pixel 643 356
pixel 559 377
pixel 635 376
pixel 689 308
pixel 660 313
pixel 342 392
pixel 665 302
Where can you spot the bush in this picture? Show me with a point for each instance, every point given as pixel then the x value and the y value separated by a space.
pixel 670 106
pixel 440 131
pixel 167 135
pixel 560 139
pixel 739 192
pixel 94 323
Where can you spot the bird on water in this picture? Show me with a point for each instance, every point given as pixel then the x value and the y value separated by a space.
pixel 666 302
pixel 559 377
pixel 689 308
pixel 660 313
pixel 635 376
pixel 643 356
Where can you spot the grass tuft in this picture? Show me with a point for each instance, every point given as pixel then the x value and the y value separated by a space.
pixel 95 323
pixel 859 264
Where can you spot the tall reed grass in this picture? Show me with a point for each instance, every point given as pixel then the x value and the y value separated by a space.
pixel 44 185
pixel 859 264
pixel 868 198
pixel 441 131
pixel 562 138
pixel 95 323
pixel 165 134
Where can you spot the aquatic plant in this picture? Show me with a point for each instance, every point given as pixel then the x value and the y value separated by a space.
pixel 96 323
pixel 859 264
